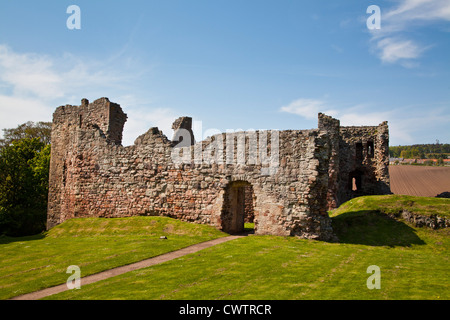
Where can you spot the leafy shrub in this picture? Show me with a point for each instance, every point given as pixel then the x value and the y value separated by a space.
pixel 24 169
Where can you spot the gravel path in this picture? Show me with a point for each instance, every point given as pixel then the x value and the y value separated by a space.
pixel 127 268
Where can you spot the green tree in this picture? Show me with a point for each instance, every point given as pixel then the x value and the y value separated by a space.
pixel 24 167
pixel 405 154
pixel 430 151
pixel 29 129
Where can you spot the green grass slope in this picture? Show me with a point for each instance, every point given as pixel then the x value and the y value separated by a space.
pixel 370 219
pixel 393 204
pixel 413 264
pixel 28 264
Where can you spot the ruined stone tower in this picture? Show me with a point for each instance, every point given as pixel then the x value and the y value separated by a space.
pixel 285 181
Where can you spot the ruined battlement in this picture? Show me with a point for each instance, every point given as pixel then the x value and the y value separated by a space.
pixel 284 181
pixel 103 115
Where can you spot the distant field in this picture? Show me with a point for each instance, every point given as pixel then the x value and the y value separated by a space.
pixel 423 181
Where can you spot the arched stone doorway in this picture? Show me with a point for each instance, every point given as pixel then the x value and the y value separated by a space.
pixel 238 206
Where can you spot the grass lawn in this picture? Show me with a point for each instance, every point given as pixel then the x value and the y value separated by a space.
pixel 29 264
pixel 413 262
pixel 268 267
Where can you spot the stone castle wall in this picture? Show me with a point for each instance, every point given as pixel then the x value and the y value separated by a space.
pixel 218 181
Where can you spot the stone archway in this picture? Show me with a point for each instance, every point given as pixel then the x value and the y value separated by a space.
pixel 238 206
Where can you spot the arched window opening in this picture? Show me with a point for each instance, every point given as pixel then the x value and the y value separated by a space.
pixel 370 150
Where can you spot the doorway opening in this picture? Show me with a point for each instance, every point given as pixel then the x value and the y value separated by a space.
pixel 238 213
pixel 355 181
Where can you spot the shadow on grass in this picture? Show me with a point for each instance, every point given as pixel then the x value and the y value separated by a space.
pixel 6 239
pixel 373 228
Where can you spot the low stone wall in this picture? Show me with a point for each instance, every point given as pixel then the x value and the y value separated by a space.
pixel 432 221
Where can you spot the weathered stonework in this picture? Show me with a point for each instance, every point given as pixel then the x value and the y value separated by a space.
pixel 92 174
pixel 432 221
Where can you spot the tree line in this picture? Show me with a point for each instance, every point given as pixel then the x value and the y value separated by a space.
pixel 421 151
pixel 24 173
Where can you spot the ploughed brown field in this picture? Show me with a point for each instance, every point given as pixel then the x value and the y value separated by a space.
pixel 424 181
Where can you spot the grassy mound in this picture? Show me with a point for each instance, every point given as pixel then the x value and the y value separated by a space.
pixel 369 220
pixel 393 204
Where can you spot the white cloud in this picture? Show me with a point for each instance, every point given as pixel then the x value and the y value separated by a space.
pixel 15 110
pixel 49 78
pixel 33 85
pixel 404 123
pixel 351 116
pixel 363 118
pixel 392 50
pixel 392 43
pixel 28 74
pixel 141 119
pixel 409 10
pixel 307 108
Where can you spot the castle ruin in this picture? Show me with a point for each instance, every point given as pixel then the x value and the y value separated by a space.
pixel 283 181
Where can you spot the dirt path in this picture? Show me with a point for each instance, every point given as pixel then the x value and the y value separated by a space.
pixel 127 268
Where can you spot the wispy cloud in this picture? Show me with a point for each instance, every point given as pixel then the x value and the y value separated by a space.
pixel 307 108
pixel 28 74
pixel 33 85
pixel 393 43
pixel 392 50
pixel 409 10
pixel 404 123
pixel 45 78
pixel 358 115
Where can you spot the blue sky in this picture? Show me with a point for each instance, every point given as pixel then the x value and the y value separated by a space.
pixel 232 64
